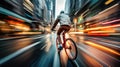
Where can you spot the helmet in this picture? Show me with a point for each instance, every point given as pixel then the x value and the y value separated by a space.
pixel 61 12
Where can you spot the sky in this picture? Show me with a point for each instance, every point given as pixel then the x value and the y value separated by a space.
pixel 60 5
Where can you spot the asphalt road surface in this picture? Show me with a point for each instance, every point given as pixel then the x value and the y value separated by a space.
pixel 40 51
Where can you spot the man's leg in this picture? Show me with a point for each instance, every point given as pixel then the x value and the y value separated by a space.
pixel 59 39
pixel 62 30
pixel 58 35
pixel 66 29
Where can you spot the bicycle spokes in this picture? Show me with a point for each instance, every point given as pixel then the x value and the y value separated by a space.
pixel 67 46
pixel 71 49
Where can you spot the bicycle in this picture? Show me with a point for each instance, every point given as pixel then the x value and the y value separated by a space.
pixel 69 45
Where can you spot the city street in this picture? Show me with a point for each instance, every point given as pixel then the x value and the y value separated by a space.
pixel 40 51
pixel 30 32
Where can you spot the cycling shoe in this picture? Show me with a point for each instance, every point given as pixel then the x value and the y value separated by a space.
pixel 60 47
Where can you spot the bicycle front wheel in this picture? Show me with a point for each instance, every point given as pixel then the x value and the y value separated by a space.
pixel 71 49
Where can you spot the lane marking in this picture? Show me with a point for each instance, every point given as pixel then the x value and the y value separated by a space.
pixel 76 63
pixel 11 38
pixel 18 52
pixel 56 62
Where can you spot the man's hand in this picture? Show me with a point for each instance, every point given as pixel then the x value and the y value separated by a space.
pixel 54 25
pixel 52 29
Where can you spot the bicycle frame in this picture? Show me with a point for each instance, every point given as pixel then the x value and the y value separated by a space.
pixel 70 45
pixel 63 38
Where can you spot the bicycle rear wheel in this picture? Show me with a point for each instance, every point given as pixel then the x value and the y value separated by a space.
pixel 71 49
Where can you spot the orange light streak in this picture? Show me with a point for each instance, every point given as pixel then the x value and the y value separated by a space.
pixel 91 61
pixel 102 47
pixel 98 34
pixel 97 28
pixel 15 19
pixel 102 31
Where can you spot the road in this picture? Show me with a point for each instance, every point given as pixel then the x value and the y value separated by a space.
pixel 40 51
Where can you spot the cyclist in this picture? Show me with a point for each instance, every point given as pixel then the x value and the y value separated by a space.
pixel 65 23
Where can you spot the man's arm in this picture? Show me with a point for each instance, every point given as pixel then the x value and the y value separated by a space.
pixel 54 25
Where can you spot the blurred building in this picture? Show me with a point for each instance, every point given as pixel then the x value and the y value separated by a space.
pixel 34 13
pixel 88 13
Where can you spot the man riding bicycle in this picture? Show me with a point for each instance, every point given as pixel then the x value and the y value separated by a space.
pixel 65 23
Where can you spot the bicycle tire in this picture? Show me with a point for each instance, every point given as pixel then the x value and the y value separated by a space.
pixel 73 46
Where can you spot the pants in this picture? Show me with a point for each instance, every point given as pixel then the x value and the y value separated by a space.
pixel 62 28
